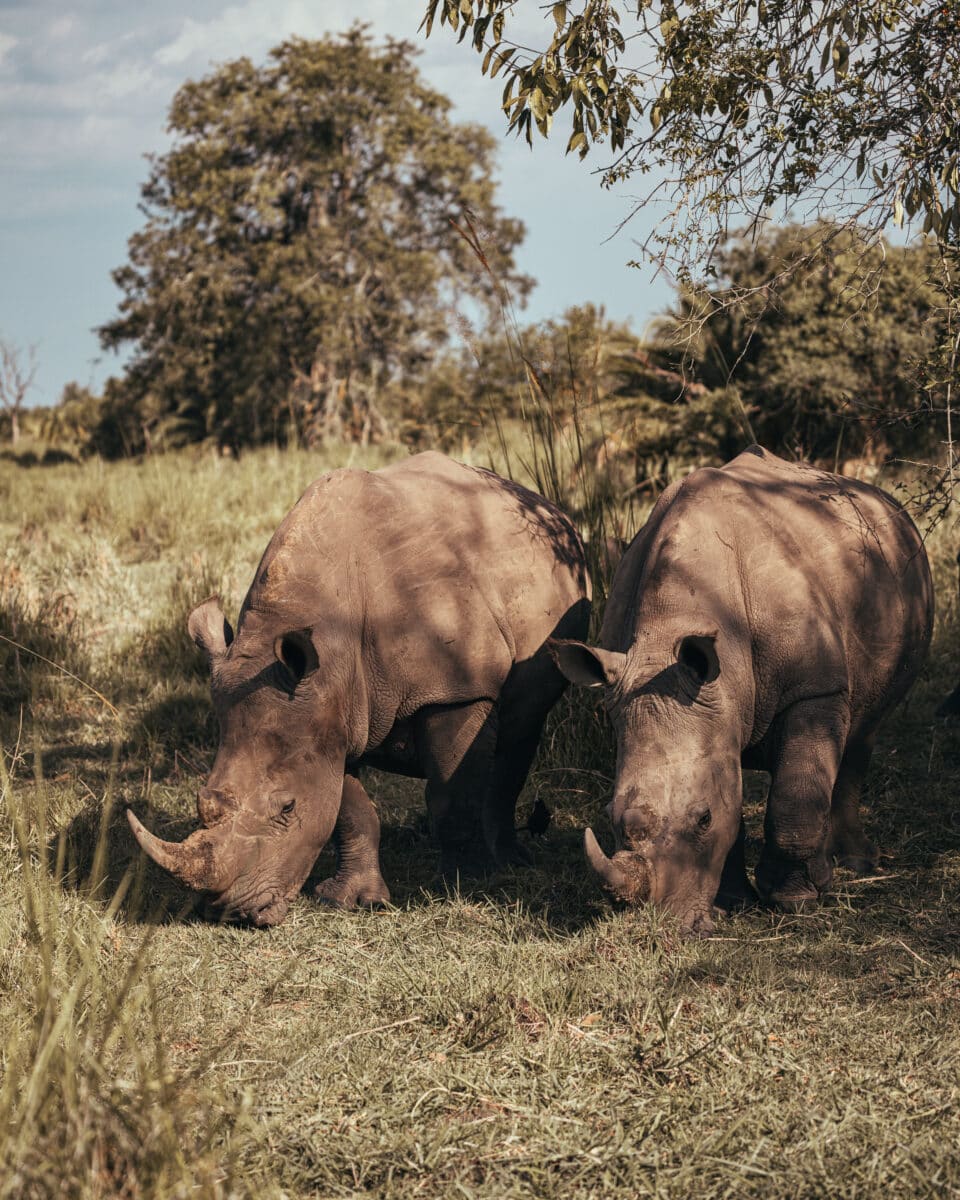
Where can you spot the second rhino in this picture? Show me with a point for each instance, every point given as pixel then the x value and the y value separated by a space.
pixel 766 616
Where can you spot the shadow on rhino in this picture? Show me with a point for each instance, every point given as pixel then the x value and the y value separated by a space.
pixel 398 619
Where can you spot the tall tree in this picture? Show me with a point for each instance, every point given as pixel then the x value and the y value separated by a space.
pixel 301 249
pixel 843 115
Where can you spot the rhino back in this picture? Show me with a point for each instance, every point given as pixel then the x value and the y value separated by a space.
pixel 438 575
pixel 821 582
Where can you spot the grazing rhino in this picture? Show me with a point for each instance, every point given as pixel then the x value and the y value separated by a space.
pixel 398 618
pixel 766 616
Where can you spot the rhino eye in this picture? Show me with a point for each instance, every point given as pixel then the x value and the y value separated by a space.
pixel 296 654
pixel 705 819
pixel 293 658
pixel 288 807
pixel 699 655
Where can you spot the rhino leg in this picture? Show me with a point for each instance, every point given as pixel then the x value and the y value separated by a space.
pixel 356 839
pixel 849 845
pixel 735 891
pixel 457 747
pixel 510 769
pixel 794 867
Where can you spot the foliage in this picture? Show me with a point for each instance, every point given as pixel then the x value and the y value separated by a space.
pixel 850 109
pixel 300 255
pixel 512 1040
pixel 827 348
pixel 572 359
pixel 612 416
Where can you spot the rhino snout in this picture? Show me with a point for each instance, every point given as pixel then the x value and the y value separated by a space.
pixel 215 805
pixel 261 909
pixel 638 825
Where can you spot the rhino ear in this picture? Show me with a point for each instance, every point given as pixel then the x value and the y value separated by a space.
pixel 698 652
pixel 587 666
pixel 210 629
pixel 297 655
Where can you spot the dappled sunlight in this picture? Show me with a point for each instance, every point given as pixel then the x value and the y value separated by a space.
pixel 511 1011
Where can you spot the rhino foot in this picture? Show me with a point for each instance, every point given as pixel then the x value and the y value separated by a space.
pixel 860 864
pixel 353 891
pixel 735 897
pixel 793 887
pixel 509 853
pixel 856 854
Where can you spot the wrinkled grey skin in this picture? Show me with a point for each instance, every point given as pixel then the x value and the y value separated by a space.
pixel 766 616
pixel 397 618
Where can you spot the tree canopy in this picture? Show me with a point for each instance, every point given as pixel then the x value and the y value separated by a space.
pixel 835 358
pixel 301 247
pixel 739 108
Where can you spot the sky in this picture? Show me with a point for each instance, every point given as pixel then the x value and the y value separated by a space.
pixel 84 92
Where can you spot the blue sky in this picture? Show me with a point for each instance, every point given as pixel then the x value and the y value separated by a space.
pixel 84 91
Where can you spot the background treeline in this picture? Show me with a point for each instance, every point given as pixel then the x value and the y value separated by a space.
pixel 323 260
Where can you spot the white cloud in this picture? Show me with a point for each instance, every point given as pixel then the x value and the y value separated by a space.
pixel 64 26
pixel 125 79
pixel 253 27
pixel 7 43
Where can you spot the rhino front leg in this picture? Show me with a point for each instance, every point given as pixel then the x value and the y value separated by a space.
pixel 457 745
pixel 794 867
pixel 735 891
pixel 356 839
pixel 849 845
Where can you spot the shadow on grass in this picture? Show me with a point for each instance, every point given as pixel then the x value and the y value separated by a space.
pixel 90 851
pixel 171 739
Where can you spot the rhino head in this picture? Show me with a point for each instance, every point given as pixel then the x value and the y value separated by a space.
pixel 272 798
pixel 677 798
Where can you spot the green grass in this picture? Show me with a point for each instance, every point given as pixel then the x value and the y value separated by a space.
pixel 518 1039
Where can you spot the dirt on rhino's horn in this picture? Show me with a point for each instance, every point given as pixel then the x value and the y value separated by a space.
pixel 196 862
pixel 630 886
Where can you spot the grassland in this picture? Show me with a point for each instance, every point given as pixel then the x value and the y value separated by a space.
pixel 517 1039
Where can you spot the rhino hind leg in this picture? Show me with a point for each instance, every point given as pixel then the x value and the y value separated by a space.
pixel 795 868
pixel 457 746
pixel 510 769
pixel 849 845
pixel 356 839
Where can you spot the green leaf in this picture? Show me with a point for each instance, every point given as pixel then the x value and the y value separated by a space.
pixel 841 58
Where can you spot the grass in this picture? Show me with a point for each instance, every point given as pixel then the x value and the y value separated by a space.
pixel 517 1039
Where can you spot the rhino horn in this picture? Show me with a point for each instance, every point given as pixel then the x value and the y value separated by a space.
pixel 194 862
pixel 626 886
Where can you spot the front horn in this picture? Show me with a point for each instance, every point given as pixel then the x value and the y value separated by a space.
pixel 628 886
pixel 193 862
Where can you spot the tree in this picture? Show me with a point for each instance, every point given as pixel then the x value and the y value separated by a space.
pixel 301 253
pixel 850 109
pixel 749 109
pixel 826 358
pixel 16 380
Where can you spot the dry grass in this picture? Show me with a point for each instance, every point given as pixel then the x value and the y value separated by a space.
pixel 515 1040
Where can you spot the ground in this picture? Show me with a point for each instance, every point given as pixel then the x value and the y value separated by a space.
pixel 516 1039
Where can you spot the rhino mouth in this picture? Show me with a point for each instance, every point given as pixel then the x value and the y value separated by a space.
pixel 261 911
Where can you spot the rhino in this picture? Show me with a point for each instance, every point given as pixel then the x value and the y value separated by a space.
pixel 399 618
pixel 766 616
